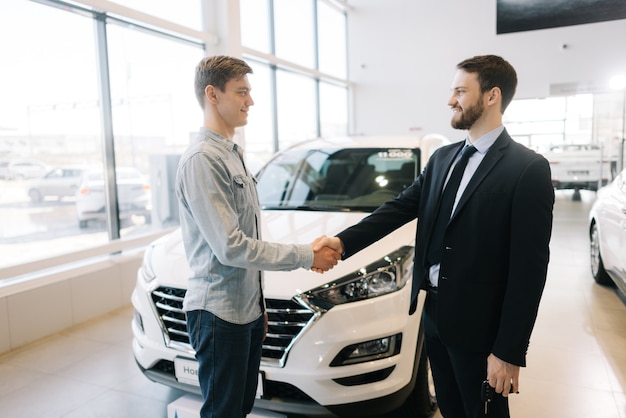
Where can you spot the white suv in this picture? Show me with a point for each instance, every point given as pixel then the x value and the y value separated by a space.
pixel 339 344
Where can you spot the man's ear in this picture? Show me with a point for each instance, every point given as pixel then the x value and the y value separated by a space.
pixel 210 92
pixel 494 95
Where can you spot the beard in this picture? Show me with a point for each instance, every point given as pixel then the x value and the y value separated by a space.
pixel 469 116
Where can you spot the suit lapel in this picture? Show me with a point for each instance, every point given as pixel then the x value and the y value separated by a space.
pixel 491 159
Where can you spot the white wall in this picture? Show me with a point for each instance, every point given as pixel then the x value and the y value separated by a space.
pixel 38 310
pixel 43 297
pixel 403 53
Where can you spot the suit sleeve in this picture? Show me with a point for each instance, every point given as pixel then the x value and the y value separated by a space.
pixel 531 229
pixel 390 216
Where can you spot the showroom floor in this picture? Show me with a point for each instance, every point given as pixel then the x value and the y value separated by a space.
pixel 576 362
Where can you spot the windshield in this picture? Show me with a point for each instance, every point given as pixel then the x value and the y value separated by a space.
pixel 348 179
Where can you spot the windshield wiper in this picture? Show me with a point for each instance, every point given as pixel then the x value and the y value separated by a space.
pixel 312 208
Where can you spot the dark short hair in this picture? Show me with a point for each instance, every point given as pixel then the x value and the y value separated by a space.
pixel 216 71
pixel 492 71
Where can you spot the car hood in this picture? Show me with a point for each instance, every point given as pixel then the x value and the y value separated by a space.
pixel 288 227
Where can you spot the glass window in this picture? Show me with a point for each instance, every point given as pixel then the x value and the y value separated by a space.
pixel 308 38
pixel 331 31
pixel 259 132
pixel 154 111
pixel 297 109
pixel 552 108
pixel 53 191
pixel 294 31
pixel 333 110
pixel 50 115
pixel 255 25
pixel 537 123
pixel 184 12
pixel 609 116
pixel 579 119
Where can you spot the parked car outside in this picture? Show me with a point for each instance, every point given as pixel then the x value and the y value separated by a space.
pixel 579 166
pixel 25 169
pixel 607 233
pixel 59 182
pixel 133 190
pixel 4 170
pixel 342 342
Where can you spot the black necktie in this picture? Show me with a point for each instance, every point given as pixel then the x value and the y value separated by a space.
pixel 435 249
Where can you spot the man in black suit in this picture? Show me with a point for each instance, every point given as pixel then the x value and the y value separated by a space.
pixel 483 264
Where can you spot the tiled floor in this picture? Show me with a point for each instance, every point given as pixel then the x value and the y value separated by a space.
pixel 576 362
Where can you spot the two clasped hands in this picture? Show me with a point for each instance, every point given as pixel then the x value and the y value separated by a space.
pixel 326 253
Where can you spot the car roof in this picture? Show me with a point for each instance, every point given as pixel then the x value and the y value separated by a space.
pixel 575 146
pixel 356 141
pixel 27 161
pixel 126 169
pixel 70 167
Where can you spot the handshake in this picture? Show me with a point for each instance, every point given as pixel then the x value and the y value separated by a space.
pixel 326 253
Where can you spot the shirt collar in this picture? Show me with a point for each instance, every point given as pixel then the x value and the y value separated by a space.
pixel 485 142
pixel 219 138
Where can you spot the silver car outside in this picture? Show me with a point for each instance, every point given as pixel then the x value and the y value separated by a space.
pixel 133 190
pixel 59 182
pixel 25 169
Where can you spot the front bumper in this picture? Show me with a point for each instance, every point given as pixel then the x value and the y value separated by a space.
pixel 307 384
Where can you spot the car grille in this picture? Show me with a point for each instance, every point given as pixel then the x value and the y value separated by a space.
pixel 169 305
pixel 287 320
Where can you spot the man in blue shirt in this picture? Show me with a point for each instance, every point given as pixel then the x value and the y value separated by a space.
pixel 220 222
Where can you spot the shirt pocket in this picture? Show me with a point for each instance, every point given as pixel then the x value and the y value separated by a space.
pixel 245 196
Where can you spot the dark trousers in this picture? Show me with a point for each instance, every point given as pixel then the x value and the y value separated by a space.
pixel 228 357
pixel 458 374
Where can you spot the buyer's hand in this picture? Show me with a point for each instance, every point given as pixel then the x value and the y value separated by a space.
pixel 324 257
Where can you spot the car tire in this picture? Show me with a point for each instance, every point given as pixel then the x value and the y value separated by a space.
pixel 422 401
pixel 35 195
pixel 597 266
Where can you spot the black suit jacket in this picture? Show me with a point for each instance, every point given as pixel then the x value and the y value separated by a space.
pixel 495 258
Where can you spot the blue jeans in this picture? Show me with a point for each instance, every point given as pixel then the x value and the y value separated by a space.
pixel 228 357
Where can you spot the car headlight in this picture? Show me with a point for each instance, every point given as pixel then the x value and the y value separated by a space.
pixel 387 275
pixel 147 273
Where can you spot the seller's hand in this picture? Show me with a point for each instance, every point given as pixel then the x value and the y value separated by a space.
pixel 332 242
pixel 502 376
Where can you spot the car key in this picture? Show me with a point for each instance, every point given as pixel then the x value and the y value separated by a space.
pixel 486 394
